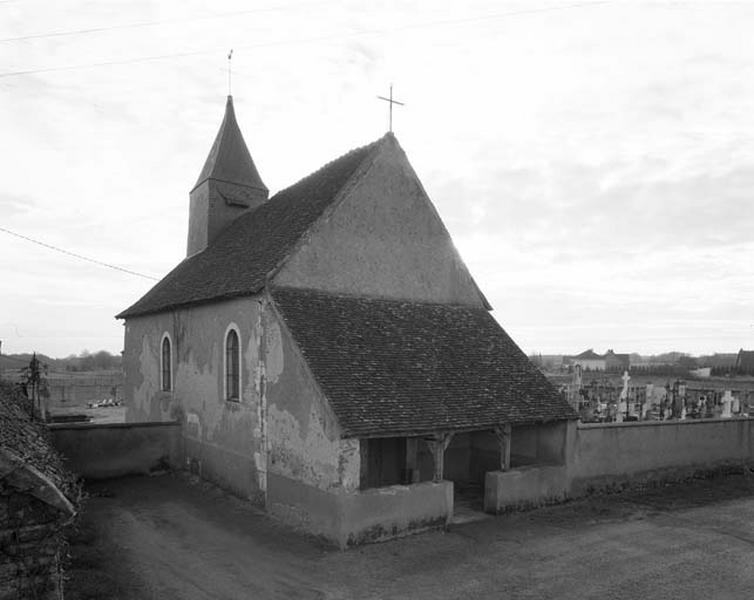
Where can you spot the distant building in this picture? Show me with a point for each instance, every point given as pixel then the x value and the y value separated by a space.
pixel 719 360
pixel 589 360
pixel 617 362
pixel 745 362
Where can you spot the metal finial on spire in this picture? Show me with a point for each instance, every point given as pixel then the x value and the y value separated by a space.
pixel 391 101
pixel 230 55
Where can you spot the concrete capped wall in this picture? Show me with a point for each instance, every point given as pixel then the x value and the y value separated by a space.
pixel 383 513
pixel 606 453
pixel 115 449
pixel 528 485
pixel 351 518
pixel 597 456
pixel 397 245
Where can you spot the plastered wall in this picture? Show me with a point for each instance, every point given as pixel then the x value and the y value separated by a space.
pixel 304 437
pixel 282 423
pixel 625 450
pixel 540 443
pixel 223 439
pixel 397 246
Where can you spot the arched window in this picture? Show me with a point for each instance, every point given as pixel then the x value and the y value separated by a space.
pixel 232 365
pixel 166 375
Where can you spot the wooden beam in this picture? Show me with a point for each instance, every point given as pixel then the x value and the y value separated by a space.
pixel 438 456
pixel 438 444
pixel 504 438
pixel 412 463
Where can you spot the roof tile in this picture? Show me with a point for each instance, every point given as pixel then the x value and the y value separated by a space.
pixel 239 260
pixel 30 441
pixel 392 367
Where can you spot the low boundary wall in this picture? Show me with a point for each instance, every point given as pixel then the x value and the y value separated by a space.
pixel 101 451
pixel 351 518
pixel 602 456
pixel 525 486
pixel 607 454
pixel 596 456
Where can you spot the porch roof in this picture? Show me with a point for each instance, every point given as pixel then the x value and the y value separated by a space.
pixel 397 367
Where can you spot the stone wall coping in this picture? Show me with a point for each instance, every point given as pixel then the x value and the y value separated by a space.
pixel 670 422
pixel 531 467
pixel 394 490
pixel 27 479
pixel 132 425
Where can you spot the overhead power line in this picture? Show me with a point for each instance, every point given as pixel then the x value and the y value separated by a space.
pixel 75 255
pixel 89 30
pixel 323 38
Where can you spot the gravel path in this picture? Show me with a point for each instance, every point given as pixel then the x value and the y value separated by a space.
pixel 168 537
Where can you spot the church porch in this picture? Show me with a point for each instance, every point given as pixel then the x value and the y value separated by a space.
pixel 538 469
pixel 462 458
pixel 490 469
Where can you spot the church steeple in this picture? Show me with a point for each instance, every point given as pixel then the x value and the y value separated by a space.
pixel 228 185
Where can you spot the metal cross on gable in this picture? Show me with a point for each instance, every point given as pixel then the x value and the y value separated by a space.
pixel 391 101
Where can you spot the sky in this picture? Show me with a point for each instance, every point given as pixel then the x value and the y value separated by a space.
pixel 593 161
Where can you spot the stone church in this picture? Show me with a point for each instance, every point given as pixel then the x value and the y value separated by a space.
pixel 329 354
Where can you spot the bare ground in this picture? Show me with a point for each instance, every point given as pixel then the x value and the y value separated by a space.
pixel 169 537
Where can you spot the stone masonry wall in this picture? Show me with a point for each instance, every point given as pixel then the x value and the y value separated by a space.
pixel 30 547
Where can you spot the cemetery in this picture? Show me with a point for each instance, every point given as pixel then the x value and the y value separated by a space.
pixel 606 399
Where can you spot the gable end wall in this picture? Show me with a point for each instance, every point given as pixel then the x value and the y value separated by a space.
pixel 383 239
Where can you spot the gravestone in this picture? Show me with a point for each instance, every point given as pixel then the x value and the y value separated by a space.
pixel 727 405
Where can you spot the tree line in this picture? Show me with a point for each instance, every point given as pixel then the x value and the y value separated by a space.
pixel 101 360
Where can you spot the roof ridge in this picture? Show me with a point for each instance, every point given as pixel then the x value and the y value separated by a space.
pixel 374 299
pixel 371 146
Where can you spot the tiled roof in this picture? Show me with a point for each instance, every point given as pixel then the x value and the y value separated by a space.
pixel 612 356
pixel 390 367
pixel 745 359
pixel 29 441
pixel 588 355
pixel 229 158
pixel 239 260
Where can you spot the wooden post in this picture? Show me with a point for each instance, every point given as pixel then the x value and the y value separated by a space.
pixel 438 444
pixel 504 437
pixel 438 455
pixel 412 467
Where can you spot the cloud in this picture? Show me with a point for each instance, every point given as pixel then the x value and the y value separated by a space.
pixel 12 205
pixel 593 164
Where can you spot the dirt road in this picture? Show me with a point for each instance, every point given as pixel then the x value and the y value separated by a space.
pixel 165 537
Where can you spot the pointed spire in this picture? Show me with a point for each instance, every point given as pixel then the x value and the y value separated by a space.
pixel 229 159
pixel 228 185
